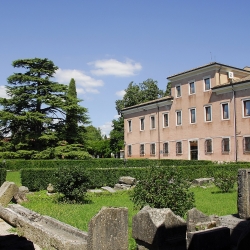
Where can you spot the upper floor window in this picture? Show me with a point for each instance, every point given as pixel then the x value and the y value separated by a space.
pixel 142 152
pixel 165 148
pixel 129 150
pixel 178 147
pixel 178 118
pixel 191 88
pixel 165 120
pixel 207 84
pixel 192 115
pixel 246 108
pixel 178 90
pixel 208 113
pixel 225 111
pixel 142 123
pixel 152 149
pixel 152 122
pixel 246 144
pixel 225 145
pixel 208 146
pixel 129 126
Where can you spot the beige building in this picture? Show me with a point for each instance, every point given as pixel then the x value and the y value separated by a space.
pixel 207 117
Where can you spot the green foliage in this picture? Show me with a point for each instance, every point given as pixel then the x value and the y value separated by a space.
pixel 72 182
pixel 164 188
pixel 225 181
pixel 117 135
pixel 3 173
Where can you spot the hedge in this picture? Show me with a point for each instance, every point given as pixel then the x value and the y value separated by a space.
pixel 3 173
pixel 38 179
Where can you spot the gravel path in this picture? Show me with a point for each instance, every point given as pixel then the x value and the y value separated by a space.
pixel 11 241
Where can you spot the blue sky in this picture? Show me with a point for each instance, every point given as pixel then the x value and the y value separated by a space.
pixel 106 44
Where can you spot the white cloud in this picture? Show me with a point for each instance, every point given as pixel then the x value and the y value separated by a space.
pixel 121 93
pixel 116 68
pixel 84 82
pixel 117 116
pixel 3 93
pixel 106 128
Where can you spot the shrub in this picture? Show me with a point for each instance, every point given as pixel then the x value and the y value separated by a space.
pixel 72 182
pixel 164 188
pixel 225 181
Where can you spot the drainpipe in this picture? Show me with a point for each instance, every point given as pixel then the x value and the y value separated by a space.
pixel 235 138
pixel 159 156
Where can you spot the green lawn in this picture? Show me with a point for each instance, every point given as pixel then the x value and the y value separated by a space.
pixel 209 200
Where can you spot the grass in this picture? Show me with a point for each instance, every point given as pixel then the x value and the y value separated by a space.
pixel 209 200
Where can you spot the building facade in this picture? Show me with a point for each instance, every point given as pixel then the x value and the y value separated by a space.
pixel 207 117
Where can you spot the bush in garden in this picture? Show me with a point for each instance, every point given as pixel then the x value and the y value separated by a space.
pixel 225 181
pixel 164 188
pixel 72 182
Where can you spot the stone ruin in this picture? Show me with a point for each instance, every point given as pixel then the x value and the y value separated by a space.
pixel 152 229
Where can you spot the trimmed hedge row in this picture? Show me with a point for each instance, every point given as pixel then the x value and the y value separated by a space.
pixel 3 174
pixel 38 179
pixel 100 163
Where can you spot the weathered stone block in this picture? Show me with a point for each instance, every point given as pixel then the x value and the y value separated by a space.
pixel 211 239
pixel 202 181
pixel 20 197
pixel 244 193
pixel 159 229
pixel 109 189
pixel 7 191
pixel 122 186
pixel 127 180
pixel 109 230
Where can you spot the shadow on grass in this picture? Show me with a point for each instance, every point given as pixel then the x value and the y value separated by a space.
pixel 221 192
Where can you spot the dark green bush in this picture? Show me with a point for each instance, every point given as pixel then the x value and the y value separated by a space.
pixel 72 182
pixel 164 188
pixel 225 181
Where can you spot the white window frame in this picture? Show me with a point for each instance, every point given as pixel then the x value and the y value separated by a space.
pixel 163 120
pixel 205 113
pixel 177 147
pixel 243 108
pixel 129 126
pixel 205 146
pixel 129 150
pixel 222 110
pixel 142 153
pixel 176 91
pixel 190 115
pixel 189 87
pixel 223 151
pixel 142 121
pixel 152 117
pixel 151 149
pixel 246 151
pixel 163 148
pixel 176 114
pixel 204 83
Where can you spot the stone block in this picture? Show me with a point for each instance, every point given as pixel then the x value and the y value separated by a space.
pixel 122 186
pixel 108 230
pixel 109 189
pixel 244 193
pixel 159 229
pixel 127 180
pixel 20 197
pixel 202 181
pixel 7 192
pixel 211 239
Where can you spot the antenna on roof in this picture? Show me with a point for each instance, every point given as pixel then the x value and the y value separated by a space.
pixel 211 56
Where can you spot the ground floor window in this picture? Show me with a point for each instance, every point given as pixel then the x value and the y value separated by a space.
pixel 178 147
pixel 165 148
pixel 152 149
pixel 129 150
pixel 208 146
pixel 246 144
pixel 142 152
pixel 225 145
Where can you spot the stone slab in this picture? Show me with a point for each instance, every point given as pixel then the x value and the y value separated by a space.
pixel 109 189
pixel 127 180
pixel 7 192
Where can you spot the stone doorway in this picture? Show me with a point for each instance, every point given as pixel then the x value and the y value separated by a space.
pixel 193 146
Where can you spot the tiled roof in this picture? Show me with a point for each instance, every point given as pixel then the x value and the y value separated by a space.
pixel 204 66
pixel 234 81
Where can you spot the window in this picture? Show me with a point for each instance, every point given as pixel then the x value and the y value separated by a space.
pixel 129 150
pixel 165 120
pixel 192 115
pixel 191 88
pixel 129 126
pixel 225 146
pixel 225 111
pixel 142 150
pixel 165 148
pixel 208 146
pixel 178 118
pixel 152 149
pixel 207 84
pixel 246 145
pixel 142 124
pixel 178 147
pixel 178 90
pixel 246 108
pixel 152 122
pixel 208 113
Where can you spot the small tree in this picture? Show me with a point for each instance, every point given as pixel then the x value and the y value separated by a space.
pixel 225 181
pixel 164 188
